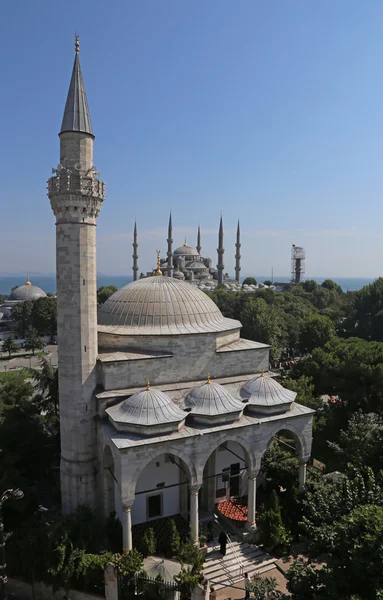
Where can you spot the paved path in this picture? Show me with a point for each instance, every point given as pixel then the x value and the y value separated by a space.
pixel 28 361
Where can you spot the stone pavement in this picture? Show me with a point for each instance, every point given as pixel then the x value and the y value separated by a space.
pixel 28 361
pixel 237 592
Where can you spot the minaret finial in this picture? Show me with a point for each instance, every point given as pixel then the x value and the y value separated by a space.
pixel 28 281
pixel 158 272
pixel 199 239
pixel 76 43
pixel 147 385
pixel 185 242
pixel 263 373
pixel 208 378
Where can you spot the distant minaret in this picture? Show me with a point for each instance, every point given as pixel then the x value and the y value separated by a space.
pixel 170 247
pixel 238 255
pixel 199 240
pixel 220 251
pixel 135 255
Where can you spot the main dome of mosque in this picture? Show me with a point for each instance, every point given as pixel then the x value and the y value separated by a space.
pixel 185 250
pixel 162 305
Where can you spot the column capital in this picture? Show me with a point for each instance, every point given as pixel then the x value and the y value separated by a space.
pixel 194 489
pixel 252 473
pixel 127 505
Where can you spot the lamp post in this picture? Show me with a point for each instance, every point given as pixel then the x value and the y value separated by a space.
pixel 16 494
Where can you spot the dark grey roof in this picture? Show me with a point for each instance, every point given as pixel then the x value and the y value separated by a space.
pixel 212 399
pixel 186 250
pixel 147 408
pixel 27 292
pixel 265 391
pixel 76 114
pixel 161 306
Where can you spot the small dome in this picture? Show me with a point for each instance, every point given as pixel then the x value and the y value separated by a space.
pixel 27 292
pixel 186 250
pixel 213 401
pixel 178 275
pixel 266 395
pixel 147 412
pixel 162 306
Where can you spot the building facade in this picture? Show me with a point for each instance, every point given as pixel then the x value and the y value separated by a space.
pixel 164 408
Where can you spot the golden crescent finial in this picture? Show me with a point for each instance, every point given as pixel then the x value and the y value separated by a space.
pixel 147 385
pixel 208 378
pixel 263 373
pixel 185 242
pixel 77 43
pixel 27 281
pixel 158 272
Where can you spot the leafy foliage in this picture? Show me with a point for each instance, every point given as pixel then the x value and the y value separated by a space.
pixel 46 381
pixel 10 346
pixel 104 292
pixel 249 281
pixel 263 588
pixel 149 542
pixel 187 580
pixel 33 341
pixel 316 331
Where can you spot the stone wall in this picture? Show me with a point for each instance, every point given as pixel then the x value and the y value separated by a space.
pixel 193 357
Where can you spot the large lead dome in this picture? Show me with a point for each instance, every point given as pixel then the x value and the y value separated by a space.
pixel 163 305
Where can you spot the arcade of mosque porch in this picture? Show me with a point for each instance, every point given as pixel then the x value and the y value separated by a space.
pixel 166 486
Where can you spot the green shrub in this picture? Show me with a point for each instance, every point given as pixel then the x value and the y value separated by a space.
pixel 174 539
pixel 149 542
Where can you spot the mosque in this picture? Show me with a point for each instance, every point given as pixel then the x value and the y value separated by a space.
pixel 164 408
pixel 187 263
pixel 28 291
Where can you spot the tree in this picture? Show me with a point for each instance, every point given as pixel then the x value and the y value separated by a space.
pixel 316 331
pixel 368 312
pixel 249 281
pixel 262 323
pixel 104 292
pixel 174 540
pixel 309 286
pixel 305 390
pixel 149 542
pixel 187 580
pixel 267 282
pixel 280 467
pixel 46 379
pixel 10 346
pixel 328 284
pixel 22 315
pixel 33 341
pixel 3 298
pixel 44 316
pixel 272 531
pixel 361 444
pixel 303 580
pixel 263 588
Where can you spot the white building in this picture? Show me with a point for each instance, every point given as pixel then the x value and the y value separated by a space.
pixel 184 440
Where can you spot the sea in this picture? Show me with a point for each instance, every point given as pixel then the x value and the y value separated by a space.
pixel 48 282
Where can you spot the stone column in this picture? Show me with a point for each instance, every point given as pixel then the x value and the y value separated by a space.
pixel 127 526
pixel 194 516
pixel 251 500
pixel 111 582
pixel 302 475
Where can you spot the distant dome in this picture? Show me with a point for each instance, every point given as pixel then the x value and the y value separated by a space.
pixel 211 401
pixel 197 265
pixel 266 395
pixel 148 412
pixel 27 292
pixel 186 250
pixel 178 275
pixel 161 306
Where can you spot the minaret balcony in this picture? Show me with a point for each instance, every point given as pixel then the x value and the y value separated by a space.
pixel 67 183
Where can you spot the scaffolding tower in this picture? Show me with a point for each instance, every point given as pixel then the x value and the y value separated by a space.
pixel 298 256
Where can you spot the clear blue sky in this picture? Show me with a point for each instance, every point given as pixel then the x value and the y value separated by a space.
pixel 270 111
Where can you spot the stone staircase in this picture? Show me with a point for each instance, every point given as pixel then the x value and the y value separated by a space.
pixel 240 558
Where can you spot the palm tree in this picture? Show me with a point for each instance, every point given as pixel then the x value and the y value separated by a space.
pixel 46 379
pixel 10 346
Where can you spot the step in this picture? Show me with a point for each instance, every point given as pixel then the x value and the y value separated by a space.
pixel 234 569
pixel 252 557
pixel 240 552
pixel 222 579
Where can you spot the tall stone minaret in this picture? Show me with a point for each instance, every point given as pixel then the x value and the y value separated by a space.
pixel 199 248
pixel 135 255
pixel 76 196
pixel 170 247
pixel 238 255
pixel 220 251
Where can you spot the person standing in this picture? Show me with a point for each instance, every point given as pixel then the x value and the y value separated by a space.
pixel 222 542
pixel 247 586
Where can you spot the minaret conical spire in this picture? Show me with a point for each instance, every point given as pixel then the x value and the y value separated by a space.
pixel 238 255
pixel 76 114
pixel 170 247
pixel 135 255
pixel 199 240
pixel 220 251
